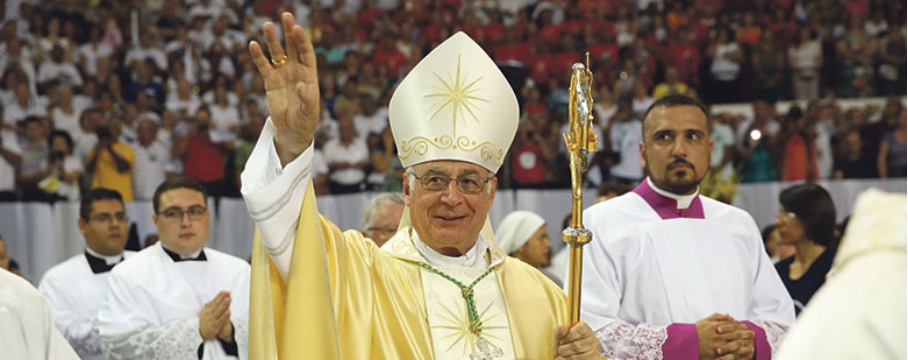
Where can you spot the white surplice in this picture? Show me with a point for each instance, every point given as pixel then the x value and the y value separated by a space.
pixel 642 273
pixel 152 305
pixel 75 294
pixel 27 328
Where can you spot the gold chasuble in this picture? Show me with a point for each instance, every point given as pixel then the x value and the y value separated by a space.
pixel 347 299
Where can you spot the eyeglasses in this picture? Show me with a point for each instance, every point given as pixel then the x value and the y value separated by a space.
pixel 109 218
pixel 469 184
pixel 787 215
pixel 196 213
pixel 387 231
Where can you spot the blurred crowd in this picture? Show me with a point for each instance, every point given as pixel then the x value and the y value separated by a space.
pixel 124 94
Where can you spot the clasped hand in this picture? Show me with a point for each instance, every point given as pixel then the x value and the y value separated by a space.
pixel 214 319
pixel 724 338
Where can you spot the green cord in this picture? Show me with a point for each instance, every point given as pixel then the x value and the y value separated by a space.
pixel 466 291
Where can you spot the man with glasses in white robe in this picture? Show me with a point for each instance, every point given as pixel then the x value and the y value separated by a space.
pixel 177 299
pixel 76 287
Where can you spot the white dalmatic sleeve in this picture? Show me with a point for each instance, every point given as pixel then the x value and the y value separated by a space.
pixel 274 195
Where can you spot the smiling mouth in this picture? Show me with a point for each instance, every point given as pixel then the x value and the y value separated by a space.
pixel 450 218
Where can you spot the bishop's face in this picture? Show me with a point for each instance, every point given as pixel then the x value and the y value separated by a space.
pixel 182 219
pixel 449 220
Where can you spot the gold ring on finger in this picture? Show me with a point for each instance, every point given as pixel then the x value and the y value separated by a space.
pixel 280 62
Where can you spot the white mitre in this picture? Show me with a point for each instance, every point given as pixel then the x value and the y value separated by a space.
pixel 454 105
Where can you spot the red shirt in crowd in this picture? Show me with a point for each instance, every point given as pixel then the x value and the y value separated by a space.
pixel 685 57
pixel 750 36
pixel 604 53
pixel 515 51
pixel 527 167
pixel 203 160
pixel 395 59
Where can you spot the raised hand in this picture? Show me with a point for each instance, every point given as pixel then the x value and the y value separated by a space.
pixel 291 86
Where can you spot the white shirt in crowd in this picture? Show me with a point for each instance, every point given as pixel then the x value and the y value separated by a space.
pixel 722 135
pixel 805 56
pixel 224 119
pixel 183 107
pixel 8 141
pixel 603 115
pixel 625 139
pixel 640 106
pixel 90 53
pixel 150 169
pixel 319 166
pixel 356 152
pixel 83 143
pixel 64 72
pixel 12 112
pixel 67 122
pixel 375 123
pixel 723 68
pixel 823 142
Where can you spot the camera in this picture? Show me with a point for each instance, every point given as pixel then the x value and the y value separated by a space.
pixel 57 156
pixel 103 133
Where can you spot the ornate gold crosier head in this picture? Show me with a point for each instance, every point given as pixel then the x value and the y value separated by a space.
pixel 580 141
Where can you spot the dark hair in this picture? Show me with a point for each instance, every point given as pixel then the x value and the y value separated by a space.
pixel 96 194
pixel 60 133
pixel 767 232
pixel 767 236
pixel 31 120
pixel 177 182
pixel 88 112
pixel 675 100
pixel 813 207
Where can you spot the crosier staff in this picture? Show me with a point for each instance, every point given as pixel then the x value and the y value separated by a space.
pixel 580 140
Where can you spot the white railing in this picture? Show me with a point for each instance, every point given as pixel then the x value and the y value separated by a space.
pixel 40 235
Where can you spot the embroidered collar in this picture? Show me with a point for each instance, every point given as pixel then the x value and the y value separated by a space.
pixel 404 246
pixel 473 258
pixel 668 205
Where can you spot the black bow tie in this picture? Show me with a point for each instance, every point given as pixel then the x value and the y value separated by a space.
pixel 99 265
pixel 176 257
